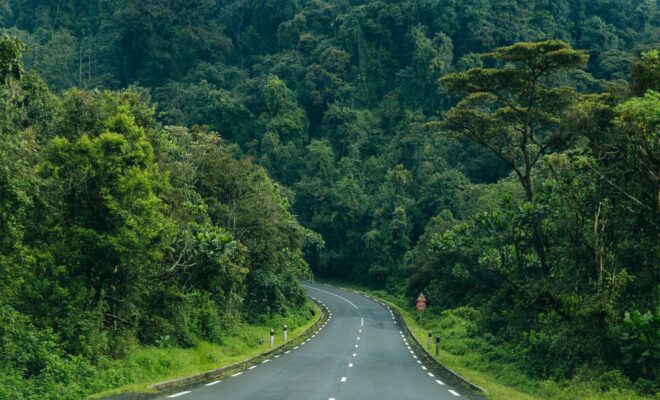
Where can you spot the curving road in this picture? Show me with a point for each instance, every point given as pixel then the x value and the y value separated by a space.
pixel 359 354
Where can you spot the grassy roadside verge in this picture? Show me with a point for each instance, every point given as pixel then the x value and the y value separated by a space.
pixel 148 365
pixel 461 353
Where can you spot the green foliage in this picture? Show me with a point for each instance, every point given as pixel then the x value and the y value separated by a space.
pixel 11 63
pixel 541 215
pixel 640 344
pixel 116 233
pixel 646 73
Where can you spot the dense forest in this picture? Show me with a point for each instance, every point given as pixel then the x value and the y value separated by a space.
pixel 167 166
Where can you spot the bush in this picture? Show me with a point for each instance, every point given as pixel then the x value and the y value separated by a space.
pixel 640 345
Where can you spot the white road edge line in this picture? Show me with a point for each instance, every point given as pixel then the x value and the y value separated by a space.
pixel 439 382
pixel 454 393
pixel 179 394
pixel 343 379
pixel 332 294
pixel 212 383
pixel 237 374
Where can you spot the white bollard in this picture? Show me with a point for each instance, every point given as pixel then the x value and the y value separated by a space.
pixel 272 337
pixel 284 332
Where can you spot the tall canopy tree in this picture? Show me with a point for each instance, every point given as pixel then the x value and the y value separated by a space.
pixel 514 111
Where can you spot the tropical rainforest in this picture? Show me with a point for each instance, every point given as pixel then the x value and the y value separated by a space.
pixel 171 169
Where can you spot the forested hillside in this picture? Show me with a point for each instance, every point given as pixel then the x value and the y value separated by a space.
pixel 117 231
pixel 501 155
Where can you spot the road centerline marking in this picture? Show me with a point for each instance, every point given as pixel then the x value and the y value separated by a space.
pixel 332 294
pixel 179 394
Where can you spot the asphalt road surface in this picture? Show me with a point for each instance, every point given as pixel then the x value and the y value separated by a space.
pixel 359 354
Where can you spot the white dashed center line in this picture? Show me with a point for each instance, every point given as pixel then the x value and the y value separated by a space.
pixel 343 379
pixel 179 394
pixel 332 294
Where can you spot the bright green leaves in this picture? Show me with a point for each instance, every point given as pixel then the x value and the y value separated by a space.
pixel 105 193
pixel 642 114
pixel 646 73
pixel 640 343
pixel 11 64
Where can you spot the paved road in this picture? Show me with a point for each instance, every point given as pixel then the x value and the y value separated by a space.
pixel 359 354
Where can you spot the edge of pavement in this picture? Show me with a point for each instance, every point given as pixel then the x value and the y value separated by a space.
pixel 166 386
pixel 476 391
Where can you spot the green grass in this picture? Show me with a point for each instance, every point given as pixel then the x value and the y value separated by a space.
pixel 461 353
pixel 148 365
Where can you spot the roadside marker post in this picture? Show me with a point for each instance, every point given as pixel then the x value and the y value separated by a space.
pixel 284 332
pixel 272 337
pixel 430 338
pixel 437 345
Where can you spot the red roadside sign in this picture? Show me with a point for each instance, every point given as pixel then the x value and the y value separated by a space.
pixel 421 303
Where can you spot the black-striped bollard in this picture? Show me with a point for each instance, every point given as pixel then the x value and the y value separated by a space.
pixel 272 337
